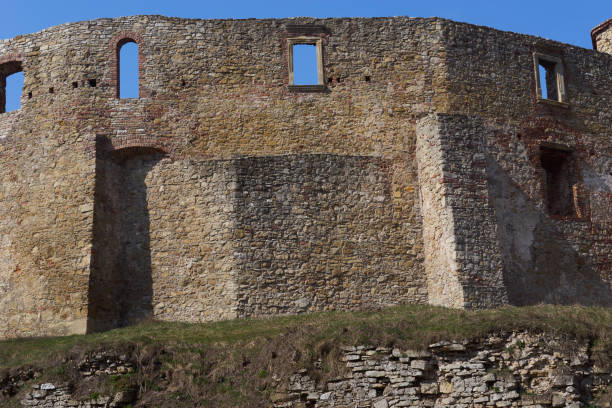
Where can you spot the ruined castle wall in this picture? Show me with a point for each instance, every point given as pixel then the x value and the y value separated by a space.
pixel 46 210
pixel 208 90
pixel 219 87
pixel 547 257
pixel 324 232
pixel 47 197
pixel 168 226
pixel 602 37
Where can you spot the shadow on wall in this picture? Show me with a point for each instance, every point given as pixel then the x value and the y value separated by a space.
pixel 540 264
pixel 120 283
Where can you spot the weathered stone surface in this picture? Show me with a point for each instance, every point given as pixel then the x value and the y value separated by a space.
pixel 602 36
pixel 381 404
pixel 460 378
pixel 417 172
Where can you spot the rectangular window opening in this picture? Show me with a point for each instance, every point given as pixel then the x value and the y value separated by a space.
pixel 559 194
pixel 550 79
pixel 542 73
pixel 11 87
pixel 305 64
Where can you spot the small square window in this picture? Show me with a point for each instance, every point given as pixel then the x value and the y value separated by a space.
pixel 305 63
pixel 550 80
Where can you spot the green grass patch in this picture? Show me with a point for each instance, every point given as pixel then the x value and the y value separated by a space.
pixel 407 326
pixel 235 363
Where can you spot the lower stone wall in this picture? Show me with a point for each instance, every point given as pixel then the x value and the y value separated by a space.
pixel 513 370
pixel 325 232
pixel 163 230
pixel 49 396
pixel 517 369
pixel 46 208
pixel 205 240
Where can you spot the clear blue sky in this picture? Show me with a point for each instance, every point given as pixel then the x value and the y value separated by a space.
pixel 562 20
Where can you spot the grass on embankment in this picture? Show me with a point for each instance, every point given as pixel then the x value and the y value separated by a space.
pixel 229 363
pixel 403 326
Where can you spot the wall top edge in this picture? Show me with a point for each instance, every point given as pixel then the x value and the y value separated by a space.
pixel 598 30
pixel 144 19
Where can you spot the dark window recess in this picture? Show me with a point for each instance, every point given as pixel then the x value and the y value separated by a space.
pixel 558 169
pixel 75 84
pixel 29 95
pixel 367 78
pixel 11 86
pixel 51 90
pixel 92 83
pixel 305 70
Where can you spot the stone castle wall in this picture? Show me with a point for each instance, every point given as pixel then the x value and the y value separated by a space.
pixel 602 37
pixel 47 211
pixel 223 191
pixel 551 258
pixel 517 370
pixel 324 232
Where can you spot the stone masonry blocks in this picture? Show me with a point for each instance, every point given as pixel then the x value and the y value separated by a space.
pixel 462 257
pixel 415 173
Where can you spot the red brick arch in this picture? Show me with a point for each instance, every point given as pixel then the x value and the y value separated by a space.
pixel 118 146
pixel 11 57
pixel 118 40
